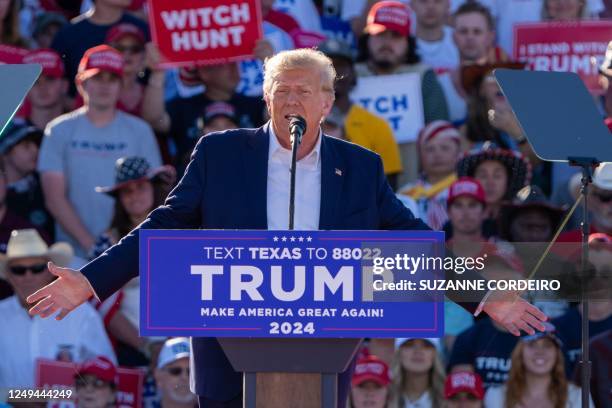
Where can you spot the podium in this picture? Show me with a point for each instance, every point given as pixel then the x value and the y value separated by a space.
pixel 288 308
pixel 298 373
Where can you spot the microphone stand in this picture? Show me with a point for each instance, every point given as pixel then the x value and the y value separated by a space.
pixel 295 143
pixel 297 127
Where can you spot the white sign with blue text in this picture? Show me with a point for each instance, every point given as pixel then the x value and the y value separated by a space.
pixel 397 99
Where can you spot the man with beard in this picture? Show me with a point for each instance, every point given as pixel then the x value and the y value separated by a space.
pixel 172 374
pixel 387 48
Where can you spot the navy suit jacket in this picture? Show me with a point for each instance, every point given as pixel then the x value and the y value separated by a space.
pixel 225 187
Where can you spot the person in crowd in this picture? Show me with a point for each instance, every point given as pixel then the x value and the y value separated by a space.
pixel 598 284
pixel 466 211
pixel 89 30
pixel 489 117
pixel 370 384
pixel 438 148
pixel 96 383
pixel 502 174
pixel 360 126
pixel 599 204
pixel 564 10
pixel 24 197
pixel 218 116
pixel 10 33
pixel 82 336
pixel 463 389
pixel 138 190
pixel 45 27
pixel 530 222
pixel 172 374
pixel 47 96
pixel 485 347
pixel 605 76
pixel 9 221
pixel 179 119
pixel 600 349
pixel 418 374
pixel 474 36
pixel 434 38
pixel 80 148
pixel 537 376
pixel 386 48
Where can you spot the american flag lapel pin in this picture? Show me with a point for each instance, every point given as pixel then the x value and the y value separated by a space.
pixel 338 172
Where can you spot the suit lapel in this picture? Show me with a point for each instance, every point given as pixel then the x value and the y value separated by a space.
pixel 255 162
pixel 333 173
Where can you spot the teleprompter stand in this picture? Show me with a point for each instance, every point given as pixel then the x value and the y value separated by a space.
pixel 561 123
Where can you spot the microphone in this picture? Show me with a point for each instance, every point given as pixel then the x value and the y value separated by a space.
pixel 297 127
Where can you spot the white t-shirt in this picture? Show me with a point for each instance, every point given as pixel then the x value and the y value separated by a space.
pixel 496 397
pixel 440 55
pixel 23 339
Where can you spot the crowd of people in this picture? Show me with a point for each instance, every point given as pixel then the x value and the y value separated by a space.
pixel 105 133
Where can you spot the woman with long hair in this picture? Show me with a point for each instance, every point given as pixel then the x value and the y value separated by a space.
pixel 418 374
pixel 537 376
pixel 138 190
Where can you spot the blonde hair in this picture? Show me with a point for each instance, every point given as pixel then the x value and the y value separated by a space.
pixel 301 58
pixel 516 386
pixel 400 378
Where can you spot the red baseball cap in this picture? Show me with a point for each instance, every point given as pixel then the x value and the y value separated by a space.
pixel 102 58
pixel 388 15
pixel 124 30
pixel 466 186
pixel 463 381
pixel 371 368
pixel 101 367
pixel 50 60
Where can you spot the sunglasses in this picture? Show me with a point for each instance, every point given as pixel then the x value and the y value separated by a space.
pixel 604 198
pixel 176 371
pixel 130 49
pixel 21 270
pixel 96 383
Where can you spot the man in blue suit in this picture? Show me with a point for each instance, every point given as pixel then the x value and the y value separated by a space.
pixel 239 179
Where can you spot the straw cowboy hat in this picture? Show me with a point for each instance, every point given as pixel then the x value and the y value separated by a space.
pixel 27 243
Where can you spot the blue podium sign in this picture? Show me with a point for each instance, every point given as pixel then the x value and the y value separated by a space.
pixel 213 283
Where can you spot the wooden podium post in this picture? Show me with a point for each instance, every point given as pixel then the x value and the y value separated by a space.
pixel 297 373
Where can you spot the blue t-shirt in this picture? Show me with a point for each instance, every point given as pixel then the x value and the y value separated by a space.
pixel 569 330
pixel 487 349
pixel 74 39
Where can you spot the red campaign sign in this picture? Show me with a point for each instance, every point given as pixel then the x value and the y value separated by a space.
pixel 53 374
pixel 12 55
pixel 577 47
pixel 190 32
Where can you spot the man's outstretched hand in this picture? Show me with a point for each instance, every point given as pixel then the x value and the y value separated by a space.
pixel 64 294
pixel 514 313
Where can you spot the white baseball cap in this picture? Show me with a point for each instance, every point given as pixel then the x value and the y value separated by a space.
pixel 172 350
pixel 602 177
pixel 399 342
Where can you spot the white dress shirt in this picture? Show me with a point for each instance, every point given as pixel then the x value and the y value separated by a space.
pixel 24 339
pixel 307 187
